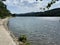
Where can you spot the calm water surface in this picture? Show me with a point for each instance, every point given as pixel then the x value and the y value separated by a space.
pixel 38 30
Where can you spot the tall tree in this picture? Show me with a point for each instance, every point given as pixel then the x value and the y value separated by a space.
pixel 3 10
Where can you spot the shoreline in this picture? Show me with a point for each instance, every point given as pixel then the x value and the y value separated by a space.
pixel 5 38
pixel 14 38
pixel 5 24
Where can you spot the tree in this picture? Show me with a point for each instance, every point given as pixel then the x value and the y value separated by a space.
pixel 3 10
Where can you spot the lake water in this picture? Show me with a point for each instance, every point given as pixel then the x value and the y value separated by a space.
pixel 38 31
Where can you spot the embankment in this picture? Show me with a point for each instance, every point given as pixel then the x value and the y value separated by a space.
pixel 5 38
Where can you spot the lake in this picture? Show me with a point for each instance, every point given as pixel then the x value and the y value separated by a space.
pixel 39 31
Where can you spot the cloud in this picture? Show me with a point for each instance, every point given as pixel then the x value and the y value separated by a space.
pixel 56 5
pixel 24 6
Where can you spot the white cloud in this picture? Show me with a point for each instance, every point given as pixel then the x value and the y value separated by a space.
pixel 24 6
pixel 56 5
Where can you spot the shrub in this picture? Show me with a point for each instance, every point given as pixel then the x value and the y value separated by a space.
pixel 22 38
pixel 27 43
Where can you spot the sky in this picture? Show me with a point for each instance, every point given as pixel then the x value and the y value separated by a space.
pixel 25 6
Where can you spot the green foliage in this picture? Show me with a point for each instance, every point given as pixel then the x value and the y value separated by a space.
pixel 27 43
pixel 22 38
pixel 3 10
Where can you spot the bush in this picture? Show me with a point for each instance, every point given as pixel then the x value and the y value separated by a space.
pixel 22 38
pixel 27 43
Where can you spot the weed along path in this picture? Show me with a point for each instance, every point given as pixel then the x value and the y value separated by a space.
pixel 5 38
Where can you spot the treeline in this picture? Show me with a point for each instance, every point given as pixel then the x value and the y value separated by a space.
pixel 53 12
pixel 4 12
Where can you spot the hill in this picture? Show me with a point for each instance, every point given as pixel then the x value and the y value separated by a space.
pixel 53 12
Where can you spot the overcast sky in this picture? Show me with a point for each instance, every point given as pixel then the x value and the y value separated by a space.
pixel 24 6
